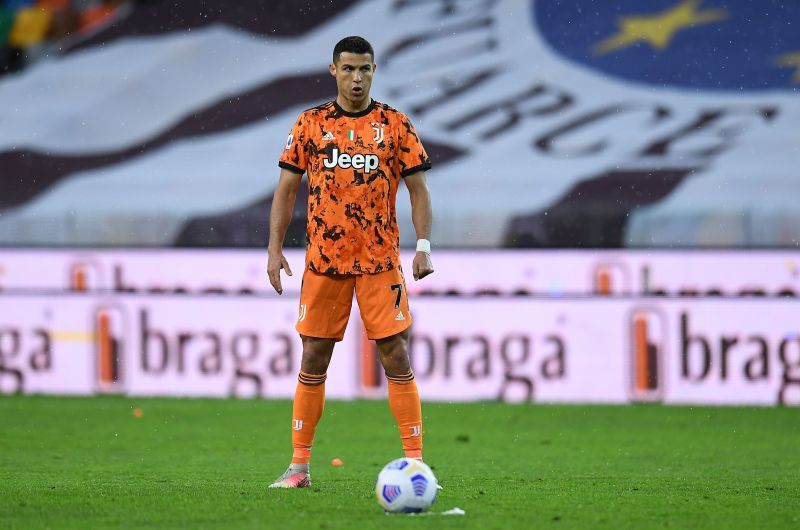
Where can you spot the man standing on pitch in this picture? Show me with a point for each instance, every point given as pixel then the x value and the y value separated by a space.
pixel 355 151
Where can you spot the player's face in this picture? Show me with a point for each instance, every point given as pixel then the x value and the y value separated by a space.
pixel 353 73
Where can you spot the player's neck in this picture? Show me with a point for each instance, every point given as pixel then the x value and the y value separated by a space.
pixel 350 106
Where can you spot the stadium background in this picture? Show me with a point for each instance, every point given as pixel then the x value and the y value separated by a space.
pixel 615 192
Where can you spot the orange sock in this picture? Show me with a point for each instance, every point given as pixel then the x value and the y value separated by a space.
pixel 407 412
pixel 309 401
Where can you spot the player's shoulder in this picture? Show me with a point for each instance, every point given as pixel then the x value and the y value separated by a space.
pixel 390 112
pixel 320 112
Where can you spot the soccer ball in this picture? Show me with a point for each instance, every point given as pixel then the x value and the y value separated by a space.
pixel 406 485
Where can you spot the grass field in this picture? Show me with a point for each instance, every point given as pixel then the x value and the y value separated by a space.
pixel 90 463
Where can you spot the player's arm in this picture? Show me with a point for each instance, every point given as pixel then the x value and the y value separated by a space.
pixel 422 217
pixel 279 217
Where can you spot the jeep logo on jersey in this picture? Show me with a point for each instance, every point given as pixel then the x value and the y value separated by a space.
pixel 345 161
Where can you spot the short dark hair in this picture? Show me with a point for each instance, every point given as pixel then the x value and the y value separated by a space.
pixel 353 44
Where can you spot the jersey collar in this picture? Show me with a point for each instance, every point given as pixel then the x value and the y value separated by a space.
pixel 355 114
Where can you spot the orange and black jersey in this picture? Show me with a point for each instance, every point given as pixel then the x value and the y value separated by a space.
pixel 354 163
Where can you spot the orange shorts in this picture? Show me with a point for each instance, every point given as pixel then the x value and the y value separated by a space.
pixel 325 302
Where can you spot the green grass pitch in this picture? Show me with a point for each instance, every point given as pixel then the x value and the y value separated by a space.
pixel 90 463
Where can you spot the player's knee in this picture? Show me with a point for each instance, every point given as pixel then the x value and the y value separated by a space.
pixel 396 365
pixel 394 353
pixel 316 355
pixel 315 363
pixel 394 344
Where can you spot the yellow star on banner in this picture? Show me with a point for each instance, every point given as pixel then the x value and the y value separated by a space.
pixel 659 29
pixel 790 60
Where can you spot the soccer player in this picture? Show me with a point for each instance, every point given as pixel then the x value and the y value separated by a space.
pixel 355 151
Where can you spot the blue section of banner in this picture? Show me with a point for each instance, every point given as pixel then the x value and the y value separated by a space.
pixel 708 44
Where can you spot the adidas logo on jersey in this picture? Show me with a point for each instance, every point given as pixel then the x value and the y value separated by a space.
pixel 328 137
pixel 345 161
pixel 400 316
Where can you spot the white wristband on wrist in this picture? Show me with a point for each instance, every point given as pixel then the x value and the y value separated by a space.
pixel 423 245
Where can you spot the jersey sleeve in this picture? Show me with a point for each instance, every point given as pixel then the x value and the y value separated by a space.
pixel 295 152
pixel 412 154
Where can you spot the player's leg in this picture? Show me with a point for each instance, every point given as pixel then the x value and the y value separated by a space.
pixel 404 399
pixel 324 309
pixel 383 303
pixel 309 397
pixel 309 402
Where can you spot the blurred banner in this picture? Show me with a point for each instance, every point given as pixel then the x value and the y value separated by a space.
pixel 692 351
pixel 583 124
pixel 486 273
pixel 167 346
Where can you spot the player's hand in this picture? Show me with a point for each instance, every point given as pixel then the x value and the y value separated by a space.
pixel 277 261
pixel 422 265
